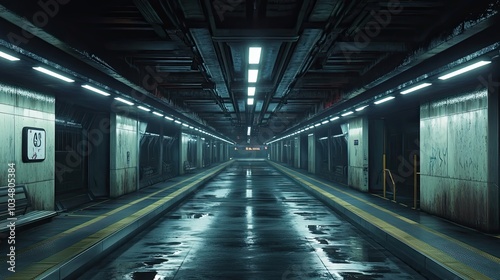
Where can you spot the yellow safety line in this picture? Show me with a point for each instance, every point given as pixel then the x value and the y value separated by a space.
pixel 458 242
pixel 83 244
pixel 78 215
pixel 397 233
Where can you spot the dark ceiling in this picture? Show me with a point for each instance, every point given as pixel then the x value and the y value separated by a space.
pixel 192 55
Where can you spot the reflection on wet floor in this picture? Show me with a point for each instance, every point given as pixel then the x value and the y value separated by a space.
pixel 251 223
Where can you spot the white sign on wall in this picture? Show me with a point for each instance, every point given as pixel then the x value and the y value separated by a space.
pixel 33 144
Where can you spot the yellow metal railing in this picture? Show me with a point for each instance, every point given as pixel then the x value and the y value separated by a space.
pixel 385 180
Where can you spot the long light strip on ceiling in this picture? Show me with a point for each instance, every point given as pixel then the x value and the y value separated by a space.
pixel 8 56
pixel 347 114
pixel 249 130
pixel 465 69
pixel 361 108
pixel 384 100
pixel 334 118
pixel 254 55
pixel 91 88
pixel 421 86
pixel 54 74
pixel 250 101
pixel 251 91
pixel 158 114
pixel 124 101
pixel 143 108
pixel 169 118
pixel 252 75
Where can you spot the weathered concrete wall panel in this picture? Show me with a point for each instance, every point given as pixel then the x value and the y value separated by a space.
pixel 358 154
pixel 23 108
pixel 123 155
pixel 454 158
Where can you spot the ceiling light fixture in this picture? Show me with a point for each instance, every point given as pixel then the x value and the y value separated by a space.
pixel 169 118
pixel 177 122
pixel 421 86
pixel 251 91
pixel 250 101
pixel 124 101
pixel 325 122
pixel 54 74
pixel 8 56
pixel 347 114
pixel 158 114
pixel 384 100
pixel 334 118
pixel 465 69
pixel 361 108
pixel 254 55
pixel 249 130
pixel 143 108
pixel 95 90
pixel 252 75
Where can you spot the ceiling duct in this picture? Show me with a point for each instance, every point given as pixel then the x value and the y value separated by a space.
pixel 203 41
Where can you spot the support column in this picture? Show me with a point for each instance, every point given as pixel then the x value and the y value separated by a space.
pixel 311 153
pixel 199 152
pixel 493 200
pixel 124 158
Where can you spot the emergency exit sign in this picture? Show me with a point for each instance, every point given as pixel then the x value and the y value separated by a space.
pixel 33 144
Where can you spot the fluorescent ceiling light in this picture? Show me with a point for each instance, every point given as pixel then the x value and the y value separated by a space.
pixel 421 86
pixel 191 127
pixel 169 118
pixel 250 101
pixel 347 114
pixel 318 124
pixel 8 56
pixel 254 55
pixel 124 101
pixel 311 127
pixel 249 131
pixel 325 122
pixel 177 122
pixel 143 108
pixel 323 138
pixel 185 124
pixel 251 91
pixel 252 75
pixel 158 114
pixel 361 108
pixel 334 118
pixel 96 90
pixel 307 128
pixel 465 69
pixel 53 74
pixel 384 100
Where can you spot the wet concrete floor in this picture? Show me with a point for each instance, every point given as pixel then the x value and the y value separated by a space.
pixel 250 222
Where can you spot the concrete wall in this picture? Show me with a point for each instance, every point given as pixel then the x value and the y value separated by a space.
pixel 20 108
pixel 183 147
pixel 200 144
pixel 124 160
pixel 358 154
pixel 311 153
pixel 454 159
pixel 297 152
